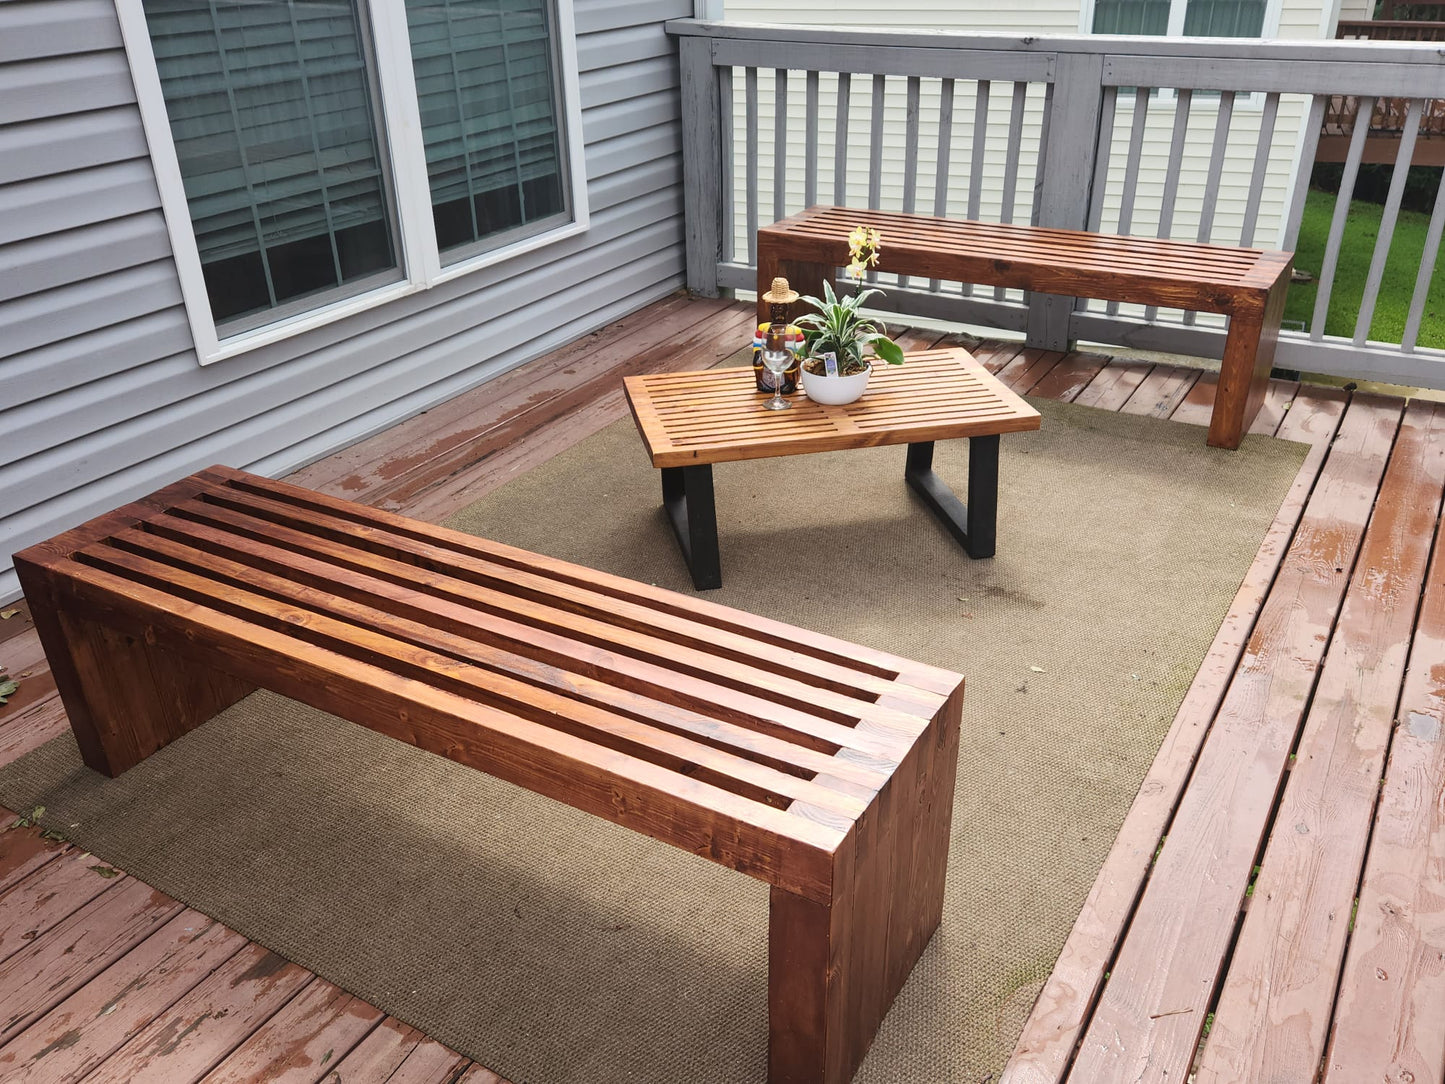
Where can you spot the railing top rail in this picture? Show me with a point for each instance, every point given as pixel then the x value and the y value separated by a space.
pixel 1420 54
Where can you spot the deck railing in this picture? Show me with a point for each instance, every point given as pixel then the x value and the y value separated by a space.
pixel 1195 139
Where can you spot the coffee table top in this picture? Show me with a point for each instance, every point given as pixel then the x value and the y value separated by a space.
pixel 717 415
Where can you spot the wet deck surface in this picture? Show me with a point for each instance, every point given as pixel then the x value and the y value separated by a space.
pixel 1284 794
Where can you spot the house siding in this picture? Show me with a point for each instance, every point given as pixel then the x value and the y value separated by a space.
pixel 102 395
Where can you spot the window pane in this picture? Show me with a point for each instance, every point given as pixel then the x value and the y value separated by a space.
pixel 1224 18
pixel 1131 17
pixel 272 112
pixel 486 85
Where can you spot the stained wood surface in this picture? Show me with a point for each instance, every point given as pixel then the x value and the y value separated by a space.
pixel 1047 1043
pixel 1247 284
pixel 1149 1019
pixel 531 669
pixel 1388 1017
pixel 1187 275
pixel 718 416
pixel 1271 1019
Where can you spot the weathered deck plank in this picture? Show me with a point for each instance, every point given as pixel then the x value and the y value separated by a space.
pixel 1276 1001
pixel 1149 1018
pixel 189 1038
pixel 79 1033
pixel 1071 992
pixel 1390 1014
pixel 47 897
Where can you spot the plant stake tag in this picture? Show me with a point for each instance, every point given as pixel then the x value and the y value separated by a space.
pixel 830 363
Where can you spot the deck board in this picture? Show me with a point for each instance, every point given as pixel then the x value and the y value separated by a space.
pixel 249 1015
pixel 1275 1005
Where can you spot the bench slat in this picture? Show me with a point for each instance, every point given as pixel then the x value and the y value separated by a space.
pixel 651 665
pixel 597 613
pixel 523 682
pixel 438 666
pixel 687 813
pixel 906 673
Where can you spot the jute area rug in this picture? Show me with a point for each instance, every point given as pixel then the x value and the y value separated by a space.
pixel 555 947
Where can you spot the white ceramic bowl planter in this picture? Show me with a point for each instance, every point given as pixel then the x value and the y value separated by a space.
pixel 836 390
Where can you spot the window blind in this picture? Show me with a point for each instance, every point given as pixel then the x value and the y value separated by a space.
pixel 486 88
pixel 272 113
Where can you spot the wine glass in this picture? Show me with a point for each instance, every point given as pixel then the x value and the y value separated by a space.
pixel 776 362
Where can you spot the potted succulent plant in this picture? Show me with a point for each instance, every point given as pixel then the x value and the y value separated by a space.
pixel 837 331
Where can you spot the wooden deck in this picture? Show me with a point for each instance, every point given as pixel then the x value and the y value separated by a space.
pixel 1283 792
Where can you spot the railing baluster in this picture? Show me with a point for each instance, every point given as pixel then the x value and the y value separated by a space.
pixel 910 155
pixel 1261 167
pixel 1011 163
pixel 1316 118
pixel 1183 101
pixel 944 158
pixel 1427 271
pixel 1131 168
pixel 840 140
pixel 875 145
pixel 1015 151
pixel 1041 164
pixel 810 139
pixel 1217 151
pixel 975 163
pixel 750 110
pixel 1337 223
pixel 1388 218
pixel 780 143
pixel 910 142
pixel 726 135
pixel 1107 111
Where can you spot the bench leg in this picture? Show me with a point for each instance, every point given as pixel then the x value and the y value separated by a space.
pixel 835 969
pixel 688 498
pixel 125 696
pixel 975 526
pixel 1244 372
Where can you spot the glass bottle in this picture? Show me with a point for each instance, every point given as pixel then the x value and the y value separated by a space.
pixel 777 334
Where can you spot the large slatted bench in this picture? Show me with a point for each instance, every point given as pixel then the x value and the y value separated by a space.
pixel 818 766
pixel 1246 284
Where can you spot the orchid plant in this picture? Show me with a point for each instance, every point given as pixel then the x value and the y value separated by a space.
pixel 840 329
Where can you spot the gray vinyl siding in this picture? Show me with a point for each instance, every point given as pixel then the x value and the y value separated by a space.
pixel 101 396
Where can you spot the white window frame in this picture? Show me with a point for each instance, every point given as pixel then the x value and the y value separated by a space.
pixel 1177 11
pixel 400 139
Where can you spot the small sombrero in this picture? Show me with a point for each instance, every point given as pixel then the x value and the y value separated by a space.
pixel 780 294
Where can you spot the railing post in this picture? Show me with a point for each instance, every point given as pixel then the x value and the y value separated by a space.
pixel 1065 178
pixel 702 172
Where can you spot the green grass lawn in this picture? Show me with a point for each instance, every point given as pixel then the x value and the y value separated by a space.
pixel 1358 247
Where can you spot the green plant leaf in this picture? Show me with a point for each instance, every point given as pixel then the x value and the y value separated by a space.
pixel 887 349
pixel 7 690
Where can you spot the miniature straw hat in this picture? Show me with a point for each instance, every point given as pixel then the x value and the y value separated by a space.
pixel 780 294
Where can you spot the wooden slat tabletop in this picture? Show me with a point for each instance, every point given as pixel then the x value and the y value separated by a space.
pixel 717 416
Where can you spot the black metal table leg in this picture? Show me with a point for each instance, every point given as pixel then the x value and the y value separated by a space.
pixel 975 526
pixel 687 496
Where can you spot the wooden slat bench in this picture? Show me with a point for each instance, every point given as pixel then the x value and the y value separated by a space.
pixel 1246 284
pixel 823 768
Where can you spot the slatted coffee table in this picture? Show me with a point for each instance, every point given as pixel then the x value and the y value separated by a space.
pixel 689 421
